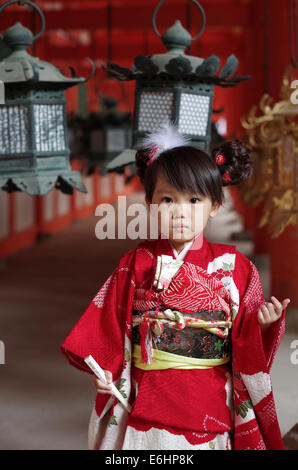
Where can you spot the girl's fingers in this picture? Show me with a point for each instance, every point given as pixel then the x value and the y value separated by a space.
pixel 100 386
pixel 271 312
pixel 276 303
pixel 109 376
pixel 274 312
pixel 285 303
pixel 281 305
pixel 260 317
pixel 103 390
pixel 266 314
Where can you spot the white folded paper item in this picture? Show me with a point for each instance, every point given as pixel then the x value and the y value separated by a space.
pixel 95 367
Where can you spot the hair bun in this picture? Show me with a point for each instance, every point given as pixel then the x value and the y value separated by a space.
pixel 237 166
pixel 142 156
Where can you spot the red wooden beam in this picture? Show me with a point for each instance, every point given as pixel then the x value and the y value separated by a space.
pixel 55 47
pixel 128 15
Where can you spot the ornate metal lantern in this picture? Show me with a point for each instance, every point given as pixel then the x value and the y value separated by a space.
pixel 110 133
pixel 34 152
pixel 175 87
pixel 78 136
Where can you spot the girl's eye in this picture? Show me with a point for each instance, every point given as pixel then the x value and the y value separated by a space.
pixel 166 199
pixel 195 200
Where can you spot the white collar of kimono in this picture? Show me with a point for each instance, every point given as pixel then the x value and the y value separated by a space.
pixel 183 252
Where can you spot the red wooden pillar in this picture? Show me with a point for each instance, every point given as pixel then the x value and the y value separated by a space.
pixel 284 249
pixel 260 85
pixel 261 236
pixel 284 266
pixel 238 104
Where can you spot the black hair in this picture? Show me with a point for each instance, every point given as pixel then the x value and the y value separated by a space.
pixel 192 170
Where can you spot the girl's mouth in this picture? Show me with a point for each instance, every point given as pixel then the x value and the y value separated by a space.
pixel 180 227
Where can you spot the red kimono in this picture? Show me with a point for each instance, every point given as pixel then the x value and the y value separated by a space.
pixel 228 406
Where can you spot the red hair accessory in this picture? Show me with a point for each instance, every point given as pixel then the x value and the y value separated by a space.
pixel 152 155
pixel 226 178
pixel 220 159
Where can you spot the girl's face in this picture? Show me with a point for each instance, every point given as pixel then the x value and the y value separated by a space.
pixel 183 216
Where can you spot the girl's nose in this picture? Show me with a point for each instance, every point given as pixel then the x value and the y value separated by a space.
pixel 180 211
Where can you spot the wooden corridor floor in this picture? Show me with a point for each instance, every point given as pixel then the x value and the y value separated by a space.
pixel 44 289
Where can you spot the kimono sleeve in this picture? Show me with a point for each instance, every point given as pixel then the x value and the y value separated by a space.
pixel 251 298
pixel 100 330
pixel 256 423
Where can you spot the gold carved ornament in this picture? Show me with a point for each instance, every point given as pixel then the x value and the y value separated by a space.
pixel 273 137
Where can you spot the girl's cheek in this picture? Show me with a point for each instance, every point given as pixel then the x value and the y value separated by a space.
pixel 197 222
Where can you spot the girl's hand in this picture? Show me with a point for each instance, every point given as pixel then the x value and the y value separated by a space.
pixel 100 386
pixel 271 312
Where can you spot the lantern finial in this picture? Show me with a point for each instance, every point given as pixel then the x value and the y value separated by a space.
pixel 176 38
pixel 18 37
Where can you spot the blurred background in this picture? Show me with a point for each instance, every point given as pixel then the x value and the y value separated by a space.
pixel 65 120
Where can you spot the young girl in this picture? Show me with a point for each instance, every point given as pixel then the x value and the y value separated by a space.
pixel 181 326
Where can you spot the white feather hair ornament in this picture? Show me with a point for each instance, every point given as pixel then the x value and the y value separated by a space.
pixel 165 137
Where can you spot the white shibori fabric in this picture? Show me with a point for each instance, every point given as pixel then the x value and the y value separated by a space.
pixel 153 439
pixel 161 439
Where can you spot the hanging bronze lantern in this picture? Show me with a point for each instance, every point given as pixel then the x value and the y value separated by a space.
pixel 78 136
pixel 110 133
pixel 174 87
pixel 34 151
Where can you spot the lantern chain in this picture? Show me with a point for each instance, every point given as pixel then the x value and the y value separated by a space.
pixel 34 6
pixel 195 2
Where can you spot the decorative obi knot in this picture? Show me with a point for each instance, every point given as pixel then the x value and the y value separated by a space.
pixel 178 320
pixel 196 337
